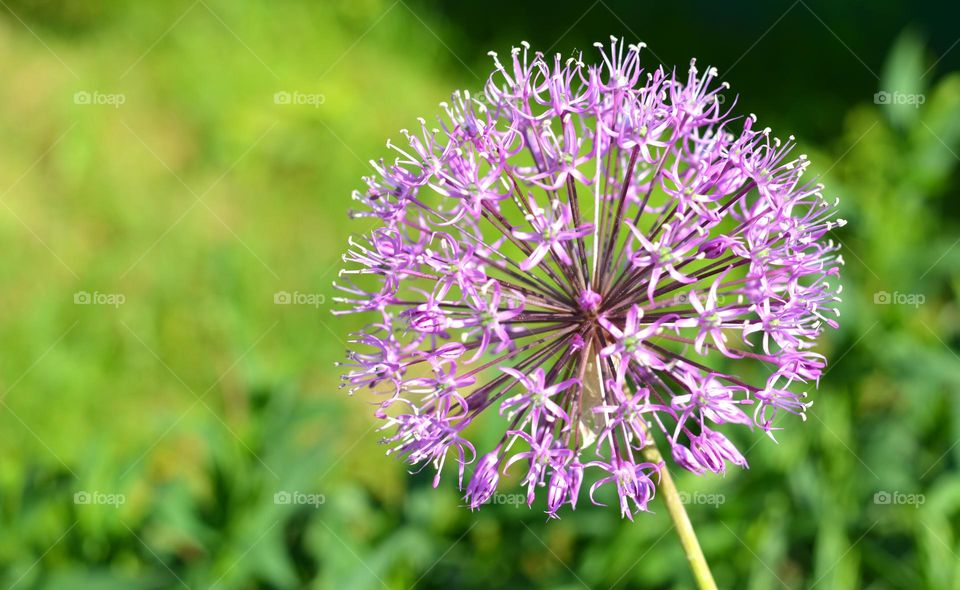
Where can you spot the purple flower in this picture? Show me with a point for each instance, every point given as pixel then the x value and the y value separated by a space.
pixel 712 450
pixel 486 476
pixel 545 452
pixel 626 413
pixel 549 233
pixel 587 254
pixel 564 487
pixel 488 317
pixel 536 402
pixel 628 343
pixel 662 257
pixel 635 488
pixel 709 399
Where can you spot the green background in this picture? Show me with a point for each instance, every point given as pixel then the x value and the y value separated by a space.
pixel 199 198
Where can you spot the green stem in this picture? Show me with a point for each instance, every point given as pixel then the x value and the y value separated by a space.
pixel 681 522
pixel 688 538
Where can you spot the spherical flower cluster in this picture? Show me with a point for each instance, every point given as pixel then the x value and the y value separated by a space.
pixel 598 256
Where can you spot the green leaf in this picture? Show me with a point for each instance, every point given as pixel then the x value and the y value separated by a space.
pixel 901 90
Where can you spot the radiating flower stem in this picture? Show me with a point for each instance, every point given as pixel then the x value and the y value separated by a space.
pixel 681 522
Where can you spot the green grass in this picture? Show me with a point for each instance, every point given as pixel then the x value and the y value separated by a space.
pixel 199 198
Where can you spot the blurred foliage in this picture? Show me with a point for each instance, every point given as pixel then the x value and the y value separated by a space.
pixel 199 399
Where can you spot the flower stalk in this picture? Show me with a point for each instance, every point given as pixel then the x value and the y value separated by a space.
pixel 681 521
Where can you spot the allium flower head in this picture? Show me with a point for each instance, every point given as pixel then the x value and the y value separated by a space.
pixel 599 257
